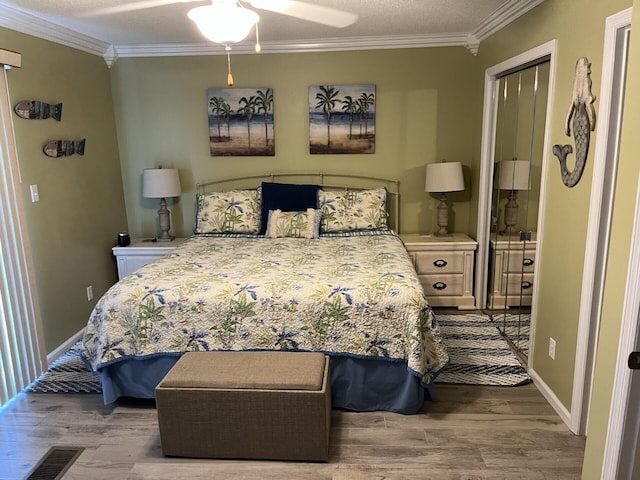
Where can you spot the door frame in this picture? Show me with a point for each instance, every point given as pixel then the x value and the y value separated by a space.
pixel 622 429
pixel 593 271
pixel 489 118
pixel 624 417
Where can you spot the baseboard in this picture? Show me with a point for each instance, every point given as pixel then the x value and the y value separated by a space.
pixel 555 403
pixel 61 350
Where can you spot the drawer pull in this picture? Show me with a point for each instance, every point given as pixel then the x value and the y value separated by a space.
pixel 439 285
pixel 527 262
pixel 440 264
pixel 526 285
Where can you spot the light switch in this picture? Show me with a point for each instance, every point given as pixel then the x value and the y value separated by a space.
pixel 35 196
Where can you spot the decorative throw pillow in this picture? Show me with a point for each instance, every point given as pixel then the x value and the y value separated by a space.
pixel 294 224
pixel 286 197
pixel 235 211
pixel 344 211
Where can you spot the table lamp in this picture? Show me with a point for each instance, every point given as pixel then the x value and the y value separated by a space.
pixel 442 178
pixel 514 176
pixel 161 183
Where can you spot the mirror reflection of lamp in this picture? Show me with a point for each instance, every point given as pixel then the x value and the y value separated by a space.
pixel 161 183
pixel 514 176
pixel 442 178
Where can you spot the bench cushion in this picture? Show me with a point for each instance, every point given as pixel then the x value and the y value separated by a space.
pixel 248 370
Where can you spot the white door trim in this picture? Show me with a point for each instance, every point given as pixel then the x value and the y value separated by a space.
pixel 620 414
pixel 588 322
pixel 490 109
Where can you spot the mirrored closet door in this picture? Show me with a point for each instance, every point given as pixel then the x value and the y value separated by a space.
pixel 515 199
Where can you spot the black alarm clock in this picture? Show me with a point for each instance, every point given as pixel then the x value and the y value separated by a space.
pixel 123 239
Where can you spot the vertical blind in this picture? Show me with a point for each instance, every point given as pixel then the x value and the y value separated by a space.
pixel 22 357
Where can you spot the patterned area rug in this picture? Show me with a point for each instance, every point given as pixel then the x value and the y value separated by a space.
pixel 517 328
pixel 68 374
pixel 478 354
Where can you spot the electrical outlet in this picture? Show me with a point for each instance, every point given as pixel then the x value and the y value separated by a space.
pixel 89 293
pixel 35 196
pixel 552 348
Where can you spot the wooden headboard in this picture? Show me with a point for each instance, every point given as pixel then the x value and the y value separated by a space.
pixel 329 181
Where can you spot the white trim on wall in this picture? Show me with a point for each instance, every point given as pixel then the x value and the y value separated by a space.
pixel 23 21
pixel 620 414
pixel 64 347
pixel 560 409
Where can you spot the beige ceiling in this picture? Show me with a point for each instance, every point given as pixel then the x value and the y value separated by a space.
pixel 165 29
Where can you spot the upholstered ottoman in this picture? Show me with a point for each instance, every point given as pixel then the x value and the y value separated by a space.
pixel 261 405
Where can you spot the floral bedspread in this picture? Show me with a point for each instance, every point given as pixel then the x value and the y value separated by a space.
pixel 352 295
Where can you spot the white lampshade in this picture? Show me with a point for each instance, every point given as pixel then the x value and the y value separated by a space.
pixel 444 177
pixel 160 183
pixel 514 175
pixel 224 21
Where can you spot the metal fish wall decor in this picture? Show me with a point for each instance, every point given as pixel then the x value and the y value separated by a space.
pixel 37 110
pixel 64 148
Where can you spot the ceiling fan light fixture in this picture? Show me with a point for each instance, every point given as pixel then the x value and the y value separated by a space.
pixel 224 21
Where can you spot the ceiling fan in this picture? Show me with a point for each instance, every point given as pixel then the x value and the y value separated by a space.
pixel 229 21
pixel 302 10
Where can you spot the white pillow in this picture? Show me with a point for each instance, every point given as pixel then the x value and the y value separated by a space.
pixel 293 224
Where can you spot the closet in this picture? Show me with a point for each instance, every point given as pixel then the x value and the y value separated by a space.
pixel 515 194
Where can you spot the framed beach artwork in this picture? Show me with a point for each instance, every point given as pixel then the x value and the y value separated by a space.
pixel 342 119
pixel 240 121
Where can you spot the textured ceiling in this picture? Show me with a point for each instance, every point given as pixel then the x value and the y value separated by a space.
pixel 380 22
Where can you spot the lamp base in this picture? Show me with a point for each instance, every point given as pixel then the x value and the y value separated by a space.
pixel 511 214
pixel 443 216
pixel 165 239
pixel 164 222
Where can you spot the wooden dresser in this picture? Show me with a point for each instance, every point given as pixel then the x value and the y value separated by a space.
pixel 512 264
pixel 445 267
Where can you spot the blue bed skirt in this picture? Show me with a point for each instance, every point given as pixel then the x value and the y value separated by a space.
pixel 358 384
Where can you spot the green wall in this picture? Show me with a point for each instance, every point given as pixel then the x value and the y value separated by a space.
pixel 425 112
pixel 81 208
pixel 429 108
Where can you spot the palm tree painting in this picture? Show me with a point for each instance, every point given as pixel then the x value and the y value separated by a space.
pixel 342 119
pixel 240 121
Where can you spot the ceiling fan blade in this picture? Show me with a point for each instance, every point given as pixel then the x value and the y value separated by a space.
pixel 307 11
pixel 133 6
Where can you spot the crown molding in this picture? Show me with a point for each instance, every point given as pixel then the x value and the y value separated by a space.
pixel 502 16
pixel 313 45
pixel 18 20
pixel 15 19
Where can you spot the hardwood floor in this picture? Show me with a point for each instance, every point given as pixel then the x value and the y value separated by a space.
pixel 470 433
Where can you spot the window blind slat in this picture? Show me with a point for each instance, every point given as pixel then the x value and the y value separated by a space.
pixel 22 357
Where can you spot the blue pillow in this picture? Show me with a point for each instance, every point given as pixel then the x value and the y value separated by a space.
pixel 286 197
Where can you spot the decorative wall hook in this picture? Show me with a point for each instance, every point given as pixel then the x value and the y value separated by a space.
pixel 584 122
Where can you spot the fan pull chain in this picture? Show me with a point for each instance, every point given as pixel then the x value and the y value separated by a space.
pixel 258 47
pixel 229 76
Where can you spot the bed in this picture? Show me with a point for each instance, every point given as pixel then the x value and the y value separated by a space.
pixel 297 267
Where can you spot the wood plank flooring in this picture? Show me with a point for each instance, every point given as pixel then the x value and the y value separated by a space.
pixel 472 432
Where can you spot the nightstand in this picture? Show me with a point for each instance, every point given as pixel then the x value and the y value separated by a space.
pixel 141 252
pixel 445 267
pixel 512 268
